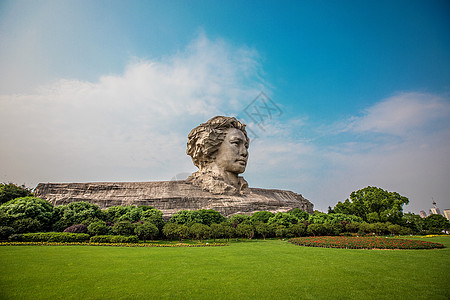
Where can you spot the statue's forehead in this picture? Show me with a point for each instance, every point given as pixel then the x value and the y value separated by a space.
pixel 235 133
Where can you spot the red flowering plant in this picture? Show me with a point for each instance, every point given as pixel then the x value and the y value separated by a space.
pixel 347 242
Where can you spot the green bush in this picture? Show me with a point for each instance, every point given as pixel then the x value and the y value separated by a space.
pixel 261 216
pixel 98 228
pixel 28 207
pixel 5 232
pixel 297 230
pixel 16 237
pixel 123 228
pixel 146 231
pixel 81 212
pixel 60 237
pixel 245 230
pixel 10 191
pixel 200 231
pixel 114 239
pixel 316 229
pixel 27 225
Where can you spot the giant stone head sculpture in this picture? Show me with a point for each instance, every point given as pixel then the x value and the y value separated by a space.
pixel 219 148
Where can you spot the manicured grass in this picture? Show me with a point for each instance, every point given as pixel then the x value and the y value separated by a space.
pixel 269 269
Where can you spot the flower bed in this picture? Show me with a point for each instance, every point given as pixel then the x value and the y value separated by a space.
pixel 363 243
pixel 109 244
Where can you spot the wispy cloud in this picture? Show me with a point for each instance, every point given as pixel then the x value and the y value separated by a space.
pixel 130 126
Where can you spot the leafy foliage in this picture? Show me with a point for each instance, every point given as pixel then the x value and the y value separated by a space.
pixel 62 237
pixel 123 228
pixel 114 239
pixel 436 223
pixel 28 207
pixel 76 213
pixel 27 225
pixel 200 231
pixel 285 219
pixel 261 216
pixel 10 191
pixel 98 228
pixel 146 230
pixel 5 232
pixel 373 204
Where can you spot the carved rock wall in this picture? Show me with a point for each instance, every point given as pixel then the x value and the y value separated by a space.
pixel 171 197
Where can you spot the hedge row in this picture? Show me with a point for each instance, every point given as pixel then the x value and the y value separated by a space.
pixel 58 237
pixel 114 239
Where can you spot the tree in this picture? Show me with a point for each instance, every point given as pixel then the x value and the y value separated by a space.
pixel 316 229
pixel 298 229
pixel 200 231
pixel 374 204
pixel 245 230
pixel 10 191
pixel 263 229
pixel 285 219
pixel 228 229
pixel 123 228
pixel 216 231
pixel 436 223
pixel 414 222
pixel 239 219
pixel 28 207
pixel 210 216
pixel 187 217
pixel 261 216
pixel 98 228
pixel 170 230
pixel 154 216
pixel 146 230
pixel 26 225
pixel 301 215
pixel 81 212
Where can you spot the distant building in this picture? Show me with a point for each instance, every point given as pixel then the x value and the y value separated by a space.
pixel 423 214
pixel 435 210
pixel 447 213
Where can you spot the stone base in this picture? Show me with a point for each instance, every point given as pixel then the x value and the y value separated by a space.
pixel 171 197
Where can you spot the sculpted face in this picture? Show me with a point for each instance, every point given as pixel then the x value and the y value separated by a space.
pixel 232 154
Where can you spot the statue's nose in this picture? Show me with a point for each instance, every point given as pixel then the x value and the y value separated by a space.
pixel 244 151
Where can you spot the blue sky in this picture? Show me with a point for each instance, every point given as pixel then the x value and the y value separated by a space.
pixel 108 90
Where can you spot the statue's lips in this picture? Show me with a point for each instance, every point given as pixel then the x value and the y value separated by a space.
pixel 242 161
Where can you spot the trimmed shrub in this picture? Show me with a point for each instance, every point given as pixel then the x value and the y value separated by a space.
pixel 114 239
pixel 16 237
pixel 124 239
pixel 5 232
pixel 60 237
pixel 80 228
pixel 98 228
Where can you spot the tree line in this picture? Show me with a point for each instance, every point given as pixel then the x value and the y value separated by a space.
pixel 367 211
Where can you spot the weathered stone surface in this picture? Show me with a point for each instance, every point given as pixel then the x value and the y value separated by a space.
pixel 171 197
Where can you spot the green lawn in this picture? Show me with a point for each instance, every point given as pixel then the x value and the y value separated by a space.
pixel 257 269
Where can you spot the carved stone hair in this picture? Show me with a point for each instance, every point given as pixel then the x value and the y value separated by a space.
pixel 205 139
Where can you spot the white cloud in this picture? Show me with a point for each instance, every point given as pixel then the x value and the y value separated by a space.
pixel 131 126
pixel 401 114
